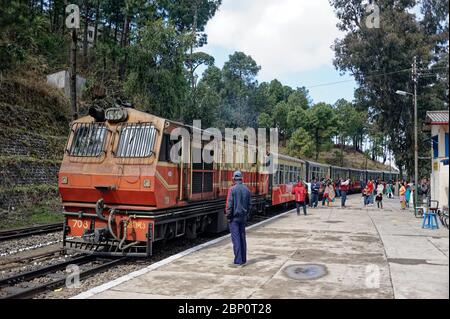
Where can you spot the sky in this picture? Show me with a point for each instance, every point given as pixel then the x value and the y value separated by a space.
pixel 290 39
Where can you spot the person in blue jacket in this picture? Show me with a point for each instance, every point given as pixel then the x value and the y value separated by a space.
pixel 238 207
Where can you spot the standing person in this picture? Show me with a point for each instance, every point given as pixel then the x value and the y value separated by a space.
pixel 365 195
pixel 322 190
pixel 379 198
pixel 308 193
pixel 337 186
pixel 325 192
pixel 389 189
pixel 315 186
pixel 407 195
pixel 300 193
pixel 237 210
pixel 331 194
pixel 371 189
pixel 402 195
pixel 412 188
pixel 344 189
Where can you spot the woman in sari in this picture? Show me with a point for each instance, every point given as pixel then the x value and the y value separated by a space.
pixel 402 196
pixel 331 194
pixel 407 195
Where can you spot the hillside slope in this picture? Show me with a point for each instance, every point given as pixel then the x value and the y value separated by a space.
pixel 350 158
pixel 33 131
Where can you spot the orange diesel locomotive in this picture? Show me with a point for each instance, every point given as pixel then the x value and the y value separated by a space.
pixel 121 192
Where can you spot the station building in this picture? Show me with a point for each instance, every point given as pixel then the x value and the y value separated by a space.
pixel 437 124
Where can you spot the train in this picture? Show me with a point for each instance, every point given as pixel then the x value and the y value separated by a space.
pixel 121 192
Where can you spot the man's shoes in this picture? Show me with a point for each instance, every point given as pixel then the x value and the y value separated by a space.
pixel 233 265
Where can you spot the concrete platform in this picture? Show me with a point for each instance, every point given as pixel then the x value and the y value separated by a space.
pixel 368 253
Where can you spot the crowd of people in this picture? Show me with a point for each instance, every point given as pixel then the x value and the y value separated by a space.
pixel 407 190
pixel 238 203
pixel 373 191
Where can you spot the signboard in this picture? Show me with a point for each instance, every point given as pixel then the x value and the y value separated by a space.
pixel 436 166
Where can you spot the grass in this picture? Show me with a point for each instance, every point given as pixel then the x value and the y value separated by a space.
pixel 45 212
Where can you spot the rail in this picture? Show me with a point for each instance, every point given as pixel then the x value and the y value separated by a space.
pixel 29 231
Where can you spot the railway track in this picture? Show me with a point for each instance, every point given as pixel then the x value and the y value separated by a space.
pixel 11 263
pixel 29 231
pixel 23 285
pixel 36 282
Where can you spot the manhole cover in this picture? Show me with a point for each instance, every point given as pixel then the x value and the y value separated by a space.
pixel 305 272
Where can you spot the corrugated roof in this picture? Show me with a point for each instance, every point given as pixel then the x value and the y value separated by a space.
pixel 435 117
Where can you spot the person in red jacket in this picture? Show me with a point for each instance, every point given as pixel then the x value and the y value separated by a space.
pixel 300 192
pixel 371 188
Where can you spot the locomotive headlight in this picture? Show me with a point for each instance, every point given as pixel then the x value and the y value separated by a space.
pixel 147 183
pixel 116 114
pixel 64 180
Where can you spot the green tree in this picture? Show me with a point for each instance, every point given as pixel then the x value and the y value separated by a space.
pixel 241 69
pixel 301 144
pixel 380 60
pixel 321 124
pixel 265 121
pixel 156 74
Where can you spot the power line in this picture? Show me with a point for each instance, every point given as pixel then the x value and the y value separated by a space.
pixel 373 75
pixel 367 76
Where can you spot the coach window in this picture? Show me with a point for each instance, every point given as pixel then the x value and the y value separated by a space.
pixel 275 175
pixel 286 174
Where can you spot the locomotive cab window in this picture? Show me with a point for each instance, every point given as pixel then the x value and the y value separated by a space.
pixel 88 140
pixel 136 140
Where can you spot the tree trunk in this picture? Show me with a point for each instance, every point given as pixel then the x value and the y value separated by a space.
pixel 63 22
pixel 317 144
pixel 73 75
pixel 124 42
pixel 85 34
pixel 97 13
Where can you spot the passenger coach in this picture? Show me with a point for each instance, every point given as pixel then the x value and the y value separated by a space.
pixel 121 192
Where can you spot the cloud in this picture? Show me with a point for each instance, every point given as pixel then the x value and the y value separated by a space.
pixel 283 36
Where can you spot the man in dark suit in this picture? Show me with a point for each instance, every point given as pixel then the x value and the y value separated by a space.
pixel 237 209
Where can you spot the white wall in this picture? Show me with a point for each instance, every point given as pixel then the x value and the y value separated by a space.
pixel 440 173
pixel 61 80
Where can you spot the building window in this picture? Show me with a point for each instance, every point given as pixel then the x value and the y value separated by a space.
pixel 446 145
pixel 435 140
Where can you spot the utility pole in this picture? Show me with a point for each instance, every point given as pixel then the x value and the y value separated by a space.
pixel 416 145
pixel 193 43
pixel 73 75
pixel 73 23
